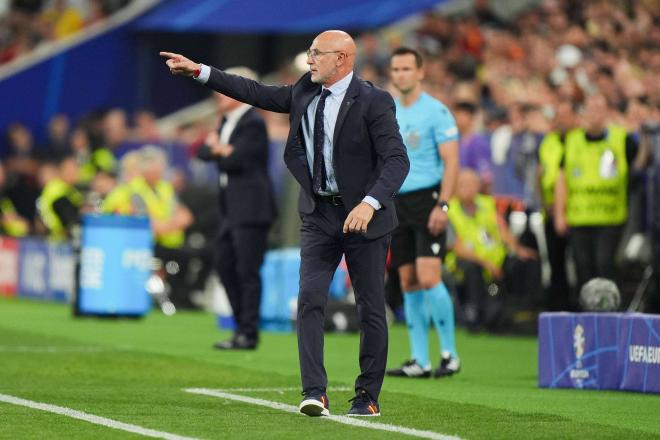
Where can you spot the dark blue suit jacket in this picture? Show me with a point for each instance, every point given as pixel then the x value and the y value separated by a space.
pixel 248 198
pixel 369 156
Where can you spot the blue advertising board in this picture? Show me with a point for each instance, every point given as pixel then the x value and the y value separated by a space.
pixel 280 279
pixel 610 351
pixel 115 265
pixel 33 276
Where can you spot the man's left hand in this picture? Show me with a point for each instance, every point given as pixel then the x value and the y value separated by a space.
pixel 437 221
pixel 358 219
pixel 217 148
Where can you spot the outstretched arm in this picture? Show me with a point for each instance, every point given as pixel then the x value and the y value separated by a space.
pixel 272 98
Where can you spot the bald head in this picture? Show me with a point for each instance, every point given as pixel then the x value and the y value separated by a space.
pixel 331 57
pixel 338 40
pixel 468 186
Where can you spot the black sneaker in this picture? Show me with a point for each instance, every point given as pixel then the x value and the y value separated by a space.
pixel 410 369
pixel 363 405
pixel 315 405
pixel 449 365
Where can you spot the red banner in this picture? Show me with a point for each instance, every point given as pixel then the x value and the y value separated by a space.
pixel 8 266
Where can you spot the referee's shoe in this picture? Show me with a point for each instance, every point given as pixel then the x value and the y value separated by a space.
pixel 410 369
pixel 315 404
pixel 449 366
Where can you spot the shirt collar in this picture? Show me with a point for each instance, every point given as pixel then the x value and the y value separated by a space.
pixel 239 111
pixel 341 86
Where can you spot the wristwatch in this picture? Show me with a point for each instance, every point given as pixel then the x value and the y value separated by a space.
pixel 443 205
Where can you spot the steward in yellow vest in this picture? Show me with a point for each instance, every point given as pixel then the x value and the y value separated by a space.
pixel 10 222
pixel 120 200
pixel 551 155
pixel 90 160
pixel 169 218
pixel 482 243
pixel 60 202
pixel 591 196
pixel 90 164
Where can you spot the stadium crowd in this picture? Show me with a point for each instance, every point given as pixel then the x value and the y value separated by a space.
pixel 27 24
pixel 513 85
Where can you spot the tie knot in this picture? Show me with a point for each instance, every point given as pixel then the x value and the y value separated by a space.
pixel 325 93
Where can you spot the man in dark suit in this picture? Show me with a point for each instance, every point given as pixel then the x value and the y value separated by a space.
pixel 247 209
pixel 345 150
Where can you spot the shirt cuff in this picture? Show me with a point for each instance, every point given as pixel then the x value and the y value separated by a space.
pixel 204 74
pixel 373 202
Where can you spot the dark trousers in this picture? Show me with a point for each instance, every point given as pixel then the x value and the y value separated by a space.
pixel 559 297
pixel 240 255
pixel 593 250
pixel 484 302
pixel 322 244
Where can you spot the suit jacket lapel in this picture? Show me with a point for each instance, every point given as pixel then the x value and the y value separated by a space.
pixel 295 153
pixel 352 91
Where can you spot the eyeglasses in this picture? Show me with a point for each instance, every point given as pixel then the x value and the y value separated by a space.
pixel 315 53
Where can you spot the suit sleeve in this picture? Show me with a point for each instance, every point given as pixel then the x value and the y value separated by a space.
pixel 386 138
pixel 272 98
pixel 250 143
pixel 204 153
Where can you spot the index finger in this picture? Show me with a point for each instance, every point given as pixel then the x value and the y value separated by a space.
pixel 346 222
pixel 168 55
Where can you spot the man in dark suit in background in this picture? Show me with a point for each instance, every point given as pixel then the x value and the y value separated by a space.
pixel 345 150
pixel 247 209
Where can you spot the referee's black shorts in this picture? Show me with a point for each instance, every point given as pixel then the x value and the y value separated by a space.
pixel 412 239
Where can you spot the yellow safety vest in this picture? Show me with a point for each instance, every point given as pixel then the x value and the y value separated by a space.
pixel 161 204
pixel 480 232
pixel 118 201
pixel 100 159
pixel 54 190
pixel 551 152
pixel 12 227
pixel 597 178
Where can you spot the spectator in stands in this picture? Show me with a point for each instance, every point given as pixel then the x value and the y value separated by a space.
pixel 474 148
pixel 58 136
pixel 145 129
pixel 515 159
pixel 591 195
pixel 60 202
pixel 22 163
pixel 116 133
pixel 247 209
pixel 90 161
pixel 10 222
pixel 482 242
pixel 61 20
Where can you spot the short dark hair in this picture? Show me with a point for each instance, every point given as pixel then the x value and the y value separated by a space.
pixel 408 51
pixel 466 106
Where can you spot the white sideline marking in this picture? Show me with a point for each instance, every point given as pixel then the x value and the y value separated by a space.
pixel 91 418
pixel 276 390
pixel 339 419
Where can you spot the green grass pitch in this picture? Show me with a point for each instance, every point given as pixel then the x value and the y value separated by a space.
pixel 135 372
